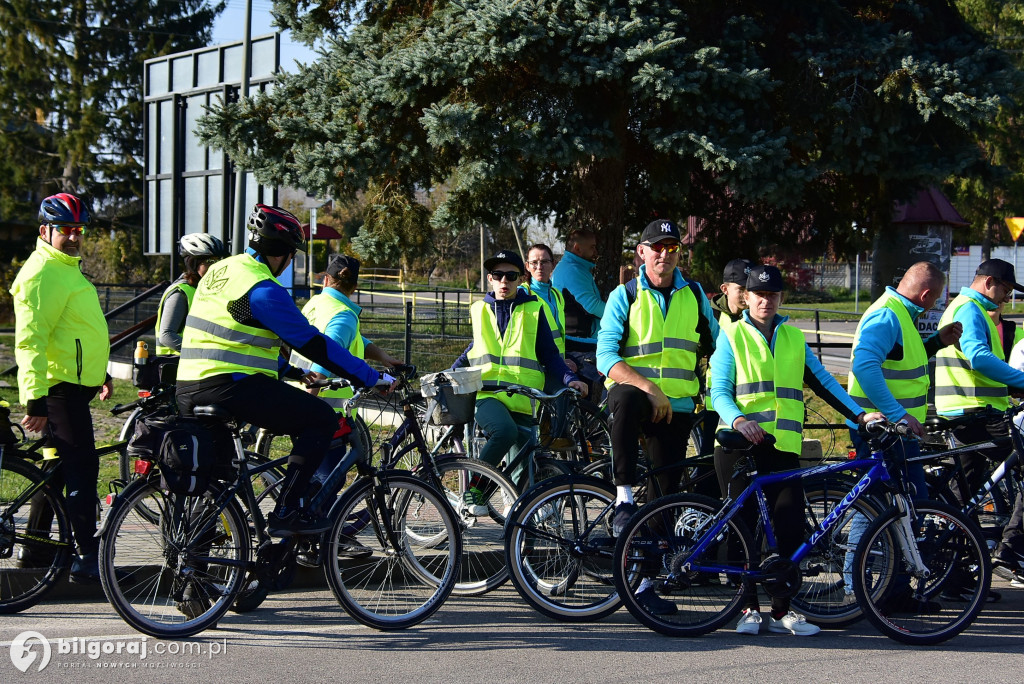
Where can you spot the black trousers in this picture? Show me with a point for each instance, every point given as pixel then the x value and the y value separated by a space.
pixel 785 502
pixel 666 442
pixel 280 408
pixel 69 428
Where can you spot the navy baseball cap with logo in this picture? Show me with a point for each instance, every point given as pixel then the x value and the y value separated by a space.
pixel 505 256
pixel 765 279
pixel 1000 270
pixel 736 271
pixel 659 230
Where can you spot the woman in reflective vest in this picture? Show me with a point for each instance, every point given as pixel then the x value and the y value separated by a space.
pixel 199 251
pixel 759 366
pixel 512 345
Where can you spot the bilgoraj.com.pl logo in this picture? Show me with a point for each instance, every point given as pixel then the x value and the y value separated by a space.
pixel 33 650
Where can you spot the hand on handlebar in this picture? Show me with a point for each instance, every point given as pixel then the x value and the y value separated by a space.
pixel 386 383
pixel 913 425
pixel 310 379
pixel 580 387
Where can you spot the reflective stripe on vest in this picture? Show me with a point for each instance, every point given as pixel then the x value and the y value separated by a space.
pixel 319 311
pixel 663 347
pixel 907 378
pixel 959 387
pixel 214 343
pixel 173 287
pixel 508 360
pixel 769 387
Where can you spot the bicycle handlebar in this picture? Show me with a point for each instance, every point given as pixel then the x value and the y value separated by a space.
pixel 528 391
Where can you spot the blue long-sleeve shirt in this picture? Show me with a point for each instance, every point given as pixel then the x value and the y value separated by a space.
pixel 616 314
pixel 881 336
pixel 723 377
pixel 273 307
pixel 576 275
pixel 547 352
pixel 976 345
pixel 342 328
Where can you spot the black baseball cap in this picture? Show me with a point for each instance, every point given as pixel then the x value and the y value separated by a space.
pixel 506 256
pixel 1001 270
pixel 659 230
pixel 765 279
pixel 736 271
pixel 336 263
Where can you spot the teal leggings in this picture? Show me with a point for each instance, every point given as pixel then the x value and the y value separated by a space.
pixel 504 429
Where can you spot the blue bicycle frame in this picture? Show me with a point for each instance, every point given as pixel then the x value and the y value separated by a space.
pixel 877 472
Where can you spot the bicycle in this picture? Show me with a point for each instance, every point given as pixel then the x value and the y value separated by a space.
pixel 700 554
pixel 36 541
pixel 177 575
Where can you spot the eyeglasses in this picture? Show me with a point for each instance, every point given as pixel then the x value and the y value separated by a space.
pixel 506 275
pixel 660 247
pixel 69 230
pixel 539 262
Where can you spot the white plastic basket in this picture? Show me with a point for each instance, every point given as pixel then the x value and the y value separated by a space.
pixel 452 395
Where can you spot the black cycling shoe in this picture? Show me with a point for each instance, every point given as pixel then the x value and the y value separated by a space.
pixel 351 548
pixel 1006 557
pixel 86 569
pixel 654 604
pixel 623 512
pixel 286 522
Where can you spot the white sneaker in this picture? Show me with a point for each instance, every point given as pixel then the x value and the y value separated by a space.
pixel 1017 580
pixel 750 622
pixel 792 623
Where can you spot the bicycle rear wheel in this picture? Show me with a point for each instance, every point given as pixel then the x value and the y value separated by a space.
pixel 483 565
pixel 177 575
pixel 558 546
pixel 933 608
pixel 35 536
pixel 375 566
pixel 654 545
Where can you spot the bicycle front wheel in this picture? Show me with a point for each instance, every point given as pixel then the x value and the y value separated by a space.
pixel 392 557
pixel 650 555
pixel 35 536
pixel 826 594
pixel 558 546
pixel 923 607
pixel 177 575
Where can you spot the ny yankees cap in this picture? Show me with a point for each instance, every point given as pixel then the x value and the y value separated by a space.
pixel 659 230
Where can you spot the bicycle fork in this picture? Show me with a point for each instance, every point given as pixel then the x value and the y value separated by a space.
pixel 908 539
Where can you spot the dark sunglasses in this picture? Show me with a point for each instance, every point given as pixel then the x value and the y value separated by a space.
pixel 69 230
pixel 660 247
pixel 506 275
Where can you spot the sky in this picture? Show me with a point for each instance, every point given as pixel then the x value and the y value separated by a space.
pixel 230 26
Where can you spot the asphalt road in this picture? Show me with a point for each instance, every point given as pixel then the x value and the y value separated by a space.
pixel 305 636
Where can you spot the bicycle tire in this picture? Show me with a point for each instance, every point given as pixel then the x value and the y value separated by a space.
pixel 483 566
pixel 32 558
pixel 177 576
pixel 951 547
pixel 558 548
pixel 826 595
pixel 659 537
pixel 392 588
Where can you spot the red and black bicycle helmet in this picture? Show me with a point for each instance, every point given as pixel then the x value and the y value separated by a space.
pixel 274 231
pixel 64 209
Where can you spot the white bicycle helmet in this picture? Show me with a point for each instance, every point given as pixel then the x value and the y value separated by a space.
pixel 201 245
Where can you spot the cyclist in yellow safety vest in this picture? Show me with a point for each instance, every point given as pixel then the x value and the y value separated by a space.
pixel 647 347
pixel 974 375
pixel 889 372
pixel 759 367
pixel 231 356
pixel 512 345
pixel 199 251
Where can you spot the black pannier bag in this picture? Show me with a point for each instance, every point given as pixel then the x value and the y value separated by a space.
pixel 183 448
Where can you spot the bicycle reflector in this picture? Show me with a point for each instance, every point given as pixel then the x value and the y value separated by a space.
pixel 143 467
